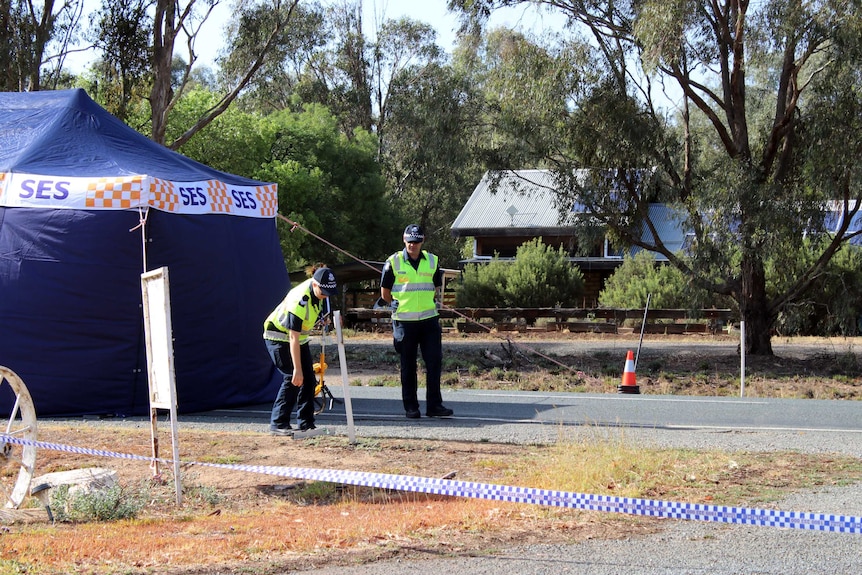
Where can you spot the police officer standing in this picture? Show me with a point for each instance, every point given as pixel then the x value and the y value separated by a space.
pixel 410 283
pixel 285 333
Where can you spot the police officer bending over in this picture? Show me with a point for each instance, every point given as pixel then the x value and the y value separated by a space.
pixel 286 337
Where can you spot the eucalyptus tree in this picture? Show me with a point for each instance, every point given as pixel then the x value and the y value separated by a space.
pixel 292 74
pixel 121 30
pixel 403 50
pixel 322 57
pixel 426 108
pixel 35 40
pixel 140 44
pixel 427 151
pixel 396 83
pixel 137 42
pixel 331 184
pixel 762 149
pixel 328 182
pixel 260 26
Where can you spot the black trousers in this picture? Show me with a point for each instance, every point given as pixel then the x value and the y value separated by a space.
pixel 288 394
pixel 411 337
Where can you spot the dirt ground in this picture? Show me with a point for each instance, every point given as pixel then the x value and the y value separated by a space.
pixel 262 524
pixel 424 458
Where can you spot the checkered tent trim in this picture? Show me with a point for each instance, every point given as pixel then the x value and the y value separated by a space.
pixel 220 200
pixel 163 195
pixel 114 193
pixel 267 197
pixel 138 191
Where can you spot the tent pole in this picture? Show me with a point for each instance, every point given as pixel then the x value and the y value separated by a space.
pixel 154 416
pixel 143 226
pixel 143 214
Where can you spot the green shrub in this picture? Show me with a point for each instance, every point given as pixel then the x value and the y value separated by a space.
pixel 833 304
pixel 482 285
pixel 108 504
pixel 641 276
pixel 539 276
pixel 543 277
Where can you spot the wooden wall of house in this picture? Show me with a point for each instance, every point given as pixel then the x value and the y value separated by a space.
pixel 594 282
pixel 502 246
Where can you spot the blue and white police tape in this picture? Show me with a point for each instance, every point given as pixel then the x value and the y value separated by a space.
pixel 546 497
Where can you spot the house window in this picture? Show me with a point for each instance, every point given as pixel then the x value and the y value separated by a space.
pixel 611 252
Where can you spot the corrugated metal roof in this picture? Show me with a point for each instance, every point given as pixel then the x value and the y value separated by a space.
pixel 523 199
pixel 669 226
pixel 836 216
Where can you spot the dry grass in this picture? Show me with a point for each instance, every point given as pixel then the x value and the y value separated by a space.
pixel 242 522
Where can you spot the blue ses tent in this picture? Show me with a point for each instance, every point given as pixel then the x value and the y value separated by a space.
pixel 87 204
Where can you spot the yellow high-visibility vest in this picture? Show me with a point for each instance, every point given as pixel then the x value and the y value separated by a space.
pixel 299 302
pixel 413 289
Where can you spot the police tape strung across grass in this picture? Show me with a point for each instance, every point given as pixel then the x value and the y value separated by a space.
pixel 514 494
pixel 261 510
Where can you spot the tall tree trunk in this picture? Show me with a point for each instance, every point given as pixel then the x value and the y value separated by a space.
pixel 42 34
pixel 22 43
pixel 161 94
pixel 8 81
pixel 754 308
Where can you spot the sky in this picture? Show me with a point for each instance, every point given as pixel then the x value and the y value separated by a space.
pixel 432 12
pixel 528 19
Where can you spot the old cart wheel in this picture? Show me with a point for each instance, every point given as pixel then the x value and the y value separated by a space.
pixel 19 460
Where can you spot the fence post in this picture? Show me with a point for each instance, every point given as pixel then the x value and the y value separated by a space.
pixel 742 359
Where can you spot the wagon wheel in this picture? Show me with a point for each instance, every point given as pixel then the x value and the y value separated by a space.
pixel 21 424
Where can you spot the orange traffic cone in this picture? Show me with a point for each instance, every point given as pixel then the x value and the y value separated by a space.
pixel 628 385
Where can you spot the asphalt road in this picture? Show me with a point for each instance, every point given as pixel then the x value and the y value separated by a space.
pixel 523 417
pixel 378 411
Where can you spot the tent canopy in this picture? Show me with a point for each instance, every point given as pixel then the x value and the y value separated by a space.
pixel 87 204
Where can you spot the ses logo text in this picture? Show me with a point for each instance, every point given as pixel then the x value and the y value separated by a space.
pixel 48 191
pixel 197 196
